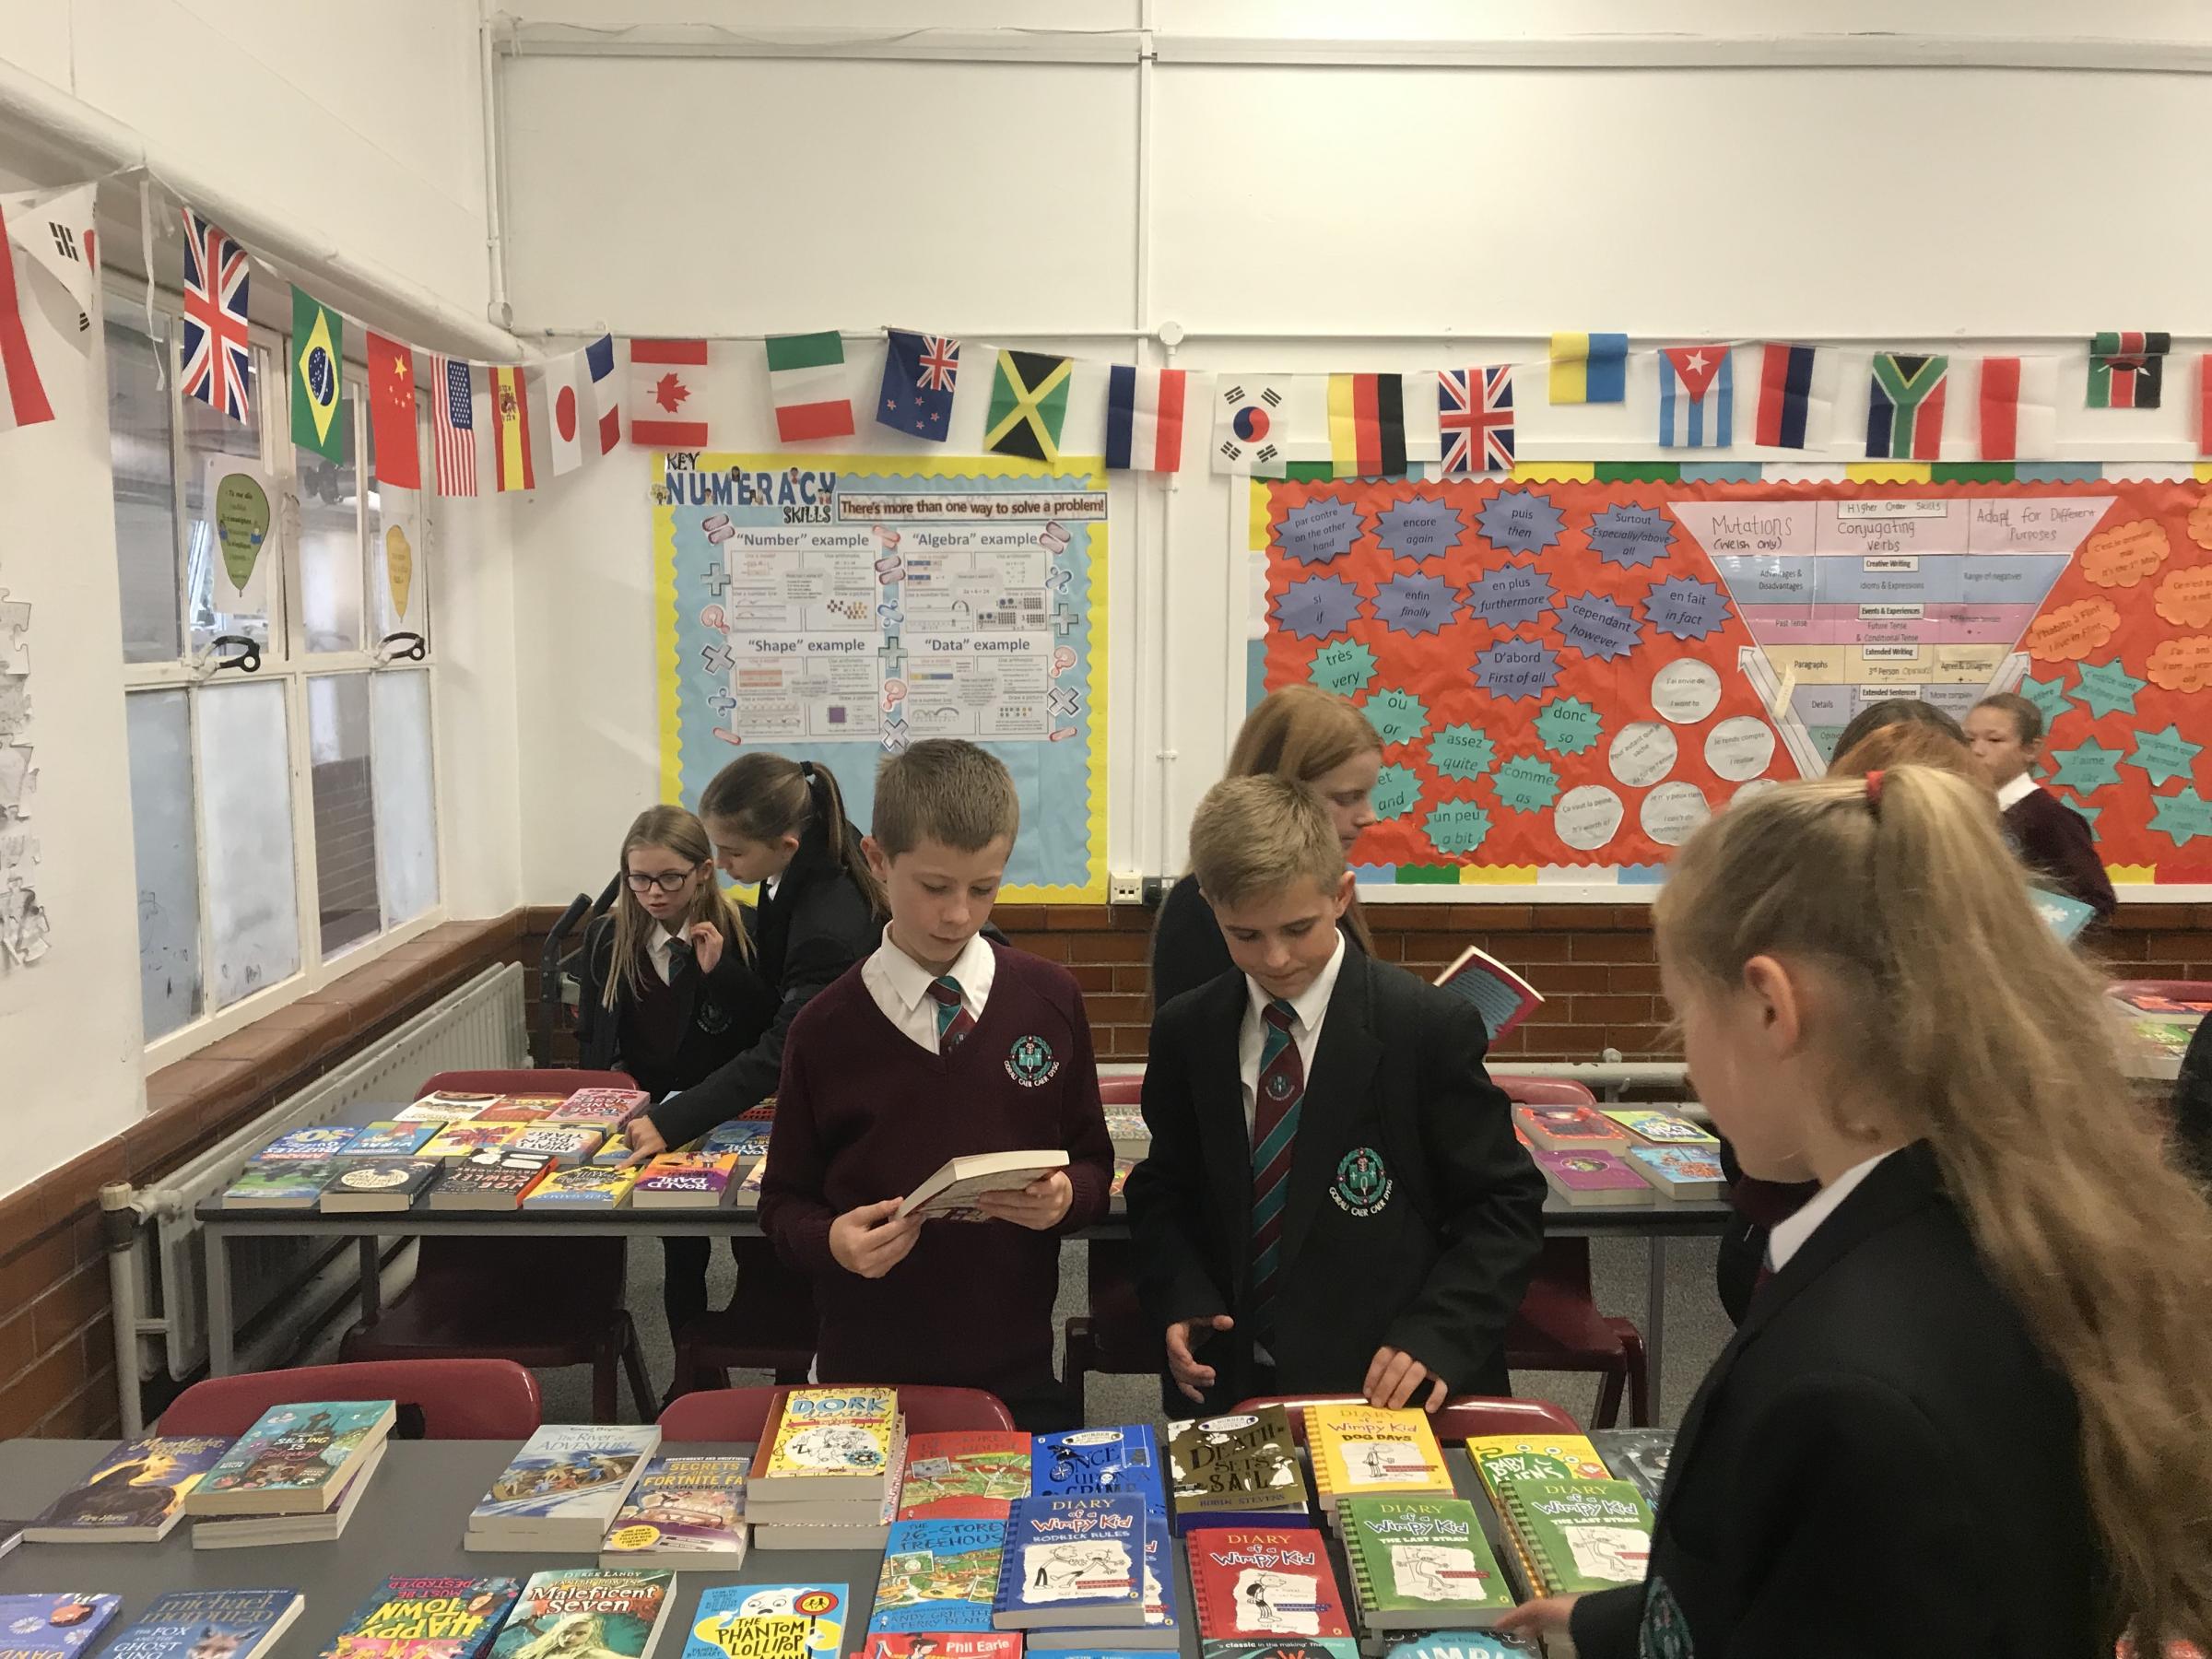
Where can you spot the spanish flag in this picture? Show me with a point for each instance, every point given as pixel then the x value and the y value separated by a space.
pixel 1367 425
pixel 510 428
pixel 1589 368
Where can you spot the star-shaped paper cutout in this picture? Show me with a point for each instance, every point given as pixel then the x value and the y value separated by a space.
pixel 2050 695
pixel 2182 816
pixel 2088 767
pixel 2165 756
pixel 2106 689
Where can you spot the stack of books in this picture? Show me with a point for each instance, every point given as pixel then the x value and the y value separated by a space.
pixel 291 1172
pixel 295 1477
pixel 563 1489
pixel 1121 1462
pixel 684 1512
pixel 829 1476
pixel 494 1179
pixel 1594 1179
pixel 592 1186
pixel 939 1575
pixel 210 1624
pixel 776 1621
pixel 1235 1471
pixel 1499 1458
pixel 1569 1129
pixel 605 1109
pixel 587 1613
pixel 1420 1564
pixel 686 1180
pixel 425 1618
pixel 1072 1577
pixel 134 1495
pixel 1637 1455
pixel 1568 1536
pixel 1366 1452
pixel 1255 1588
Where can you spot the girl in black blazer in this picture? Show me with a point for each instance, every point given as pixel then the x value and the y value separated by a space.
pixel 1967 1417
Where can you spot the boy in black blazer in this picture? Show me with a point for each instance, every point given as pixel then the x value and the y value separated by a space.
pixel 1335 1201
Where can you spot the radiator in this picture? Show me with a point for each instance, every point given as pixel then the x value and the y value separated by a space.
pixel 478 1027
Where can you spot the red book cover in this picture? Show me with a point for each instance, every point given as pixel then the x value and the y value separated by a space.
pixel 1250 1585
pixel 1558 1128
pixel 971 1476
pixel 948 1644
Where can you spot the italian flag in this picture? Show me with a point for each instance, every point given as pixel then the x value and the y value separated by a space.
pixel 806 382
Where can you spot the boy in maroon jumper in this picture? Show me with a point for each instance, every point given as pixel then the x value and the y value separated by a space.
pixel 938 1045
pixel 2053 839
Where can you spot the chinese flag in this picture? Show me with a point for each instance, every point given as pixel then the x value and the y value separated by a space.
pixel 391 413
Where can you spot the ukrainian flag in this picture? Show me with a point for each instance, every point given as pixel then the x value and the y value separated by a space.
pixel 1589 368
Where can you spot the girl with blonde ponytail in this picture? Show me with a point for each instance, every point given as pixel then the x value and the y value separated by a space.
pixel 1970 1414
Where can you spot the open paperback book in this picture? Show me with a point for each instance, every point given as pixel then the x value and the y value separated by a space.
pixel 1501 996
pixel 960 1182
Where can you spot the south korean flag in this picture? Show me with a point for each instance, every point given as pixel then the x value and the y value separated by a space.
pixel 1252 424
pixel 55 229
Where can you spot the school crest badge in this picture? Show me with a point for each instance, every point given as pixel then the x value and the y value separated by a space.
pixel 711 1017
pixel 1363 1185
pixel 1030 1062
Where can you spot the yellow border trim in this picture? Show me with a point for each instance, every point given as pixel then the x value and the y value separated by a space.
pixel 1497 875
pixel 1890 472
pixel 1555 472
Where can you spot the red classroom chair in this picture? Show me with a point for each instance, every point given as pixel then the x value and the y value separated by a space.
pixel 1558 1326
pixel 744 1413
pixel 481 1297
pixel 460 1399
pixel 1123 1089
pixel 1458 1418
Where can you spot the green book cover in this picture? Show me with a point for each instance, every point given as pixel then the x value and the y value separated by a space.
pixel 1581 1535
pixel 1422 1556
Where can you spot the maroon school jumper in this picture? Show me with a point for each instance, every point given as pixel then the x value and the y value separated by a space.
pixel 2054 841
pixel 865 1113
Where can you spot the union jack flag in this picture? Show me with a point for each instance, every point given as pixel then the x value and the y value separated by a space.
pixel 939 362
pixel 217 351
pixel 1475 407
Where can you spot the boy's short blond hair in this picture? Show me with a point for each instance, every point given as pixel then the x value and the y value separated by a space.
pixel 1251 838
pixel 945 790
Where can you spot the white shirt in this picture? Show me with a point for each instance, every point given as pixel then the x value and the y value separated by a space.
pixel 660 947
pixel 900 985
pixel 1307 1007
pixel 1789 1236
pixel 2011 794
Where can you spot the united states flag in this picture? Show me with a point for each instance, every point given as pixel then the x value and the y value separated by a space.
pixel 217 350
pixel 454 423
pixel 1475 407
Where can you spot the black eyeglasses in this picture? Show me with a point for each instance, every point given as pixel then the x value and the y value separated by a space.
pixel 668 881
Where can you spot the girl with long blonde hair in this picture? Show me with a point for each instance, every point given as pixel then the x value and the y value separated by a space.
pixel 1971 1414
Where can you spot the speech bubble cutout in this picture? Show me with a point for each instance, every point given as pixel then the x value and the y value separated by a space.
pixel 1685 692
pixel 2184 597
pixel 2072 631
pixel 1413 604
pixel 1601 628
pixel 1318 531
pixel 1316 607
pixel 1670 814
pixel 1525 784
pixel 1520 520
pixel 1419 529
pixel 2124 555
pixel 1568 726
pixel 1740 748
pixel 1462 753
pixel 2184 665
pixel 242 525
pixel 2200 521
pixel 1630 537
pixel 1753 790
pixel 399 569
pixel 1510 596
pixel 1587 817
pixel 1643 753
pixel 1397 792
pixel 1398 716
pixel 1457 826
pixel 1345 667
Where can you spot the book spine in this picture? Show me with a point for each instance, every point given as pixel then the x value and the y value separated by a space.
pixel 1006 1597
pixel 1318 1443
pixel 1534 1581
pixel 1364 1582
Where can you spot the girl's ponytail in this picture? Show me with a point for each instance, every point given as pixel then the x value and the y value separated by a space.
pixel 840 839
pixel 764 797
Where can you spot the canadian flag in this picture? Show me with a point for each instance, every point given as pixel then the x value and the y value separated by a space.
pixel 665 380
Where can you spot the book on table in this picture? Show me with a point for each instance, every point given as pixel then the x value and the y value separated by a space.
pixel 421 1617
pixel 1591 1180
pixel 374 1186
pixel 939 1575
pixel 290 1183
pixel 684 1179
pixel 960 1182
pixel 828 1443
pixel 772 1621
pixel 326 1525
pixel 565 1144
pixel 1084 1461
pixel 1501 1457
pixel 1570 1536
pixel 1570 1129
pixel 964 1476
pixel 54 1623
pixel 208 1624
pixel 1463 1645
pixel 389 1137
pixel 1364 1451
pixel 604 1108
pixel 587 1613
pixel 490 1179
pixel 1256 1584
pixel 1419 1563
pixel 830 1523
pixel 1162 1628
pixel 1239 1470
pixel 135 1494
pixel 942 1644
pixel 748 1190
pixel 563 1488
pixel 294 1460
pixel 1636 1456
pixel 1131 1135
pixel 1680 1174
pixel 747 1141
pixel 1073 1562
pixel 1650 1128
pixel 458 1140
pixel 1501 996
pixel 510 1109
pixel 315 1144
pixel 684 1512
pixel 586 1187
pixel 438 1109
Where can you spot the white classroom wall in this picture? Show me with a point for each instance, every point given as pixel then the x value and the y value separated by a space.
pixel 1291 200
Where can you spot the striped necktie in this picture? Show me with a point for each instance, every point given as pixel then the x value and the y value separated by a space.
pixel 1279 1088
pixel 954 1021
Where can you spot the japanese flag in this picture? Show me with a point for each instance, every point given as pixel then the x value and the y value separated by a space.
pixel 570 405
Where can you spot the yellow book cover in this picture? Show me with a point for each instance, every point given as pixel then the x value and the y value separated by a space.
pixel 458 1140
pixel 832 1433
pixel 1362 1449
pixel 1498 1457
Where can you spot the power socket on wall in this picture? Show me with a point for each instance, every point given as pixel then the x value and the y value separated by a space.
pixel 1127 887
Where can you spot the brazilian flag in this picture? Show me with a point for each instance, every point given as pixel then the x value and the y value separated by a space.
pixel 318 352
pixel 1029 403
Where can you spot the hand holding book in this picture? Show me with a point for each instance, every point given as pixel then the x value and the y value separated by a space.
pixel 1039 1206
pixel 874 1238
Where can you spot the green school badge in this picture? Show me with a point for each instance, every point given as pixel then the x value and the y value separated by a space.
pixel 1362 1185
pixel 1030 1062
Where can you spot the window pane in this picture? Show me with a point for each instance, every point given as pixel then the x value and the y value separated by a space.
pixel 169 864
pixel 146 500
pixel 218 606
pixel 399 595
pixel 339 769
pixel 330 540
pixel 407 817
pixel 253 905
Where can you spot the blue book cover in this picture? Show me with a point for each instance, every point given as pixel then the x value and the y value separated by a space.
pixel 939 1575
pixel 1073 1561
pixel 55 1622
pixel 574 1471
pixel 390 1139
pixel 208 1624
pixel 769 1621
pixel 291 1447
pixel 1090 1461
pixel 1462 1645
pixel 312 1143
pixel 1162 1610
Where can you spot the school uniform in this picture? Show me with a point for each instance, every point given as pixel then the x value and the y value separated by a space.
pixel 1188 950
pixel 886 1075
pixel 1881 1461
pixel 2053 839
pixel 1410 1215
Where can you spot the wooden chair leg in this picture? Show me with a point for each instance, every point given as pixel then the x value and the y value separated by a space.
pixel 1607 1414
pixel 633 1363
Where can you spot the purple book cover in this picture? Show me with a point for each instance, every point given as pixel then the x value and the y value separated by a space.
pixel 1589 1172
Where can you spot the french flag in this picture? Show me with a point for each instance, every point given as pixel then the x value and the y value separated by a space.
pixel 1144 418
pixel 599 357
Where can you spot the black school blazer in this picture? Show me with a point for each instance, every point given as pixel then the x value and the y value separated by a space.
pixel 1880 1462
pixel 1430 1252
pixel 720 1014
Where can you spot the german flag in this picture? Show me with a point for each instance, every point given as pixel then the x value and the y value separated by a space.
pixel 1367 425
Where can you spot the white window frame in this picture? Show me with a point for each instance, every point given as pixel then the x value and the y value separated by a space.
pixel 288 663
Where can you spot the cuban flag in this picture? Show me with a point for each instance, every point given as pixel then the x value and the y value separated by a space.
pixel 1696 397
pixel 1144 418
